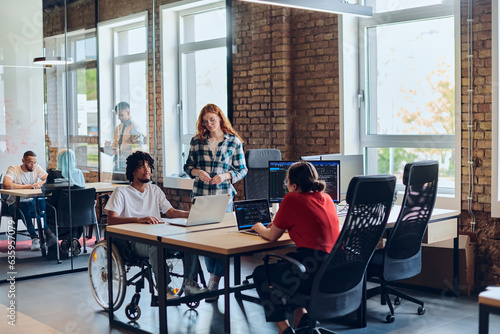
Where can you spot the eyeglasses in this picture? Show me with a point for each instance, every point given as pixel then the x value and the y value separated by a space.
pixel 211 120
pixel 285 183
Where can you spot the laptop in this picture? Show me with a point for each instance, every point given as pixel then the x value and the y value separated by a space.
pixel 205 210
pixel 250 212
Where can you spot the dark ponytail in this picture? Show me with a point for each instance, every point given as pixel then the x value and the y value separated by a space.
pixel 305 176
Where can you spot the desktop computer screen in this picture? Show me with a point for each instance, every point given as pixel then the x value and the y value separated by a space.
pixel 328 171
pixel 350 166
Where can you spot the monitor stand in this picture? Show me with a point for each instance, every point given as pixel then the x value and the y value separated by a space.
pixel 274 208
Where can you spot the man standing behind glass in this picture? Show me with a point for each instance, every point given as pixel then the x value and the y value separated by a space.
pixel 127 139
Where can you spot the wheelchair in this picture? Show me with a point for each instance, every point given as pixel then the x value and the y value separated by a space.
pixel 123 260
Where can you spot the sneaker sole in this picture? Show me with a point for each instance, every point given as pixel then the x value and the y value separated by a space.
pixel 75 248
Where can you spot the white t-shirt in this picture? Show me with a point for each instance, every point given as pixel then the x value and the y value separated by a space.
pixel 130 202
pixel 18 176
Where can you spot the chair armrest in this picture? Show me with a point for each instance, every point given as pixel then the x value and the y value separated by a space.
pixel 301 268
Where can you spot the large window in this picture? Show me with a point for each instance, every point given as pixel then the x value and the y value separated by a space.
pixel 122 78
pixel 194 72
pixel 407 88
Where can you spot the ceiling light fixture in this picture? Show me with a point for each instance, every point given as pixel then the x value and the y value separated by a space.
pixel 53 60
pixel 328 6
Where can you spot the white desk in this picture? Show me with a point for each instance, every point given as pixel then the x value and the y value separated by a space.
pixel 489 302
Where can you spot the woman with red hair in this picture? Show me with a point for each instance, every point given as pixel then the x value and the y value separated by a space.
pixel 216 160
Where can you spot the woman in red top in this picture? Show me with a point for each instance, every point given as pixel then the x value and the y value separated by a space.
pixel 311 219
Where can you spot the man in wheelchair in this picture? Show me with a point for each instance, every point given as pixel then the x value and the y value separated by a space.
pixel 142 202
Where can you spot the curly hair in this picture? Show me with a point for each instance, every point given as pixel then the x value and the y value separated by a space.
pixel 134 161
pixel 225 125
pixel 305 176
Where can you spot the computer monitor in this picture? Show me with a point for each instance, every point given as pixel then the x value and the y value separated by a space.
pixel 328 171
pixel 350 165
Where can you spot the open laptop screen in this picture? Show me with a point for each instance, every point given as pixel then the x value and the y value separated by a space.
pixel 250 212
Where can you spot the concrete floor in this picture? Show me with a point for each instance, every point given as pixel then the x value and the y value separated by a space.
pixel 64 304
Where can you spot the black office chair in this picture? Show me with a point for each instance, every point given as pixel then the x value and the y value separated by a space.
pixel 401 258
pixel 257 179
pixel 75 206
pixel 338 287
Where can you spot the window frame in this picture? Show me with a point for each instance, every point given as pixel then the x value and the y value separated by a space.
pixel 173 117
pixel 108 61
pixel 353 95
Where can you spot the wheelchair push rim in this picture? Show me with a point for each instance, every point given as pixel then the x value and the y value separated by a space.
pixel 98 276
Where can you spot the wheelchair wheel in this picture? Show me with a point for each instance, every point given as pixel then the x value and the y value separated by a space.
pixel 98 275
pixel 176 271
pixel 133 312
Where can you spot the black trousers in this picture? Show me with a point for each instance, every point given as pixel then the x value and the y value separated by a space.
pixel 284 275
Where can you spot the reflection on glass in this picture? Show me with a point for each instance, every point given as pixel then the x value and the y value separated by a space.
pixel 413 84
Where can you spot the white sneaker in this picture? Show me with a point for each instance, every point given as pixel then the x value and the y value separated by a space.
pixel 190 287
pixel 212 286
pixel 171 294
pixel 35 244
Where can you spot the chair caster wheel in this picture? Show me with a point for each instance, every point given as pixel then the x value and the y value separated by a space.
pixel 390 318
pixel 421 310
pixel 193 305
pixel 133 312
pixel 397 301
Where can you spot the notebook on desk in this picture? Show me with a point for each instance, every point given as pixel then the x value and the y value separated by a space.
pixel 205 210
pixel 250 212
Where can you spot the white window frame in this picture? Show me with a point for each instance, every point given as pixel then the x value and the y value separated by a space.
pixel 171 55
pixel 354 138
pixel 72 75
pixel 107 86
pixel 495 146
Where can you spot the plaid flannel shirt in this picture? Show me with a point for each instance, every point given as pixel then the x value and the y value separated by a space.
pixel 228 158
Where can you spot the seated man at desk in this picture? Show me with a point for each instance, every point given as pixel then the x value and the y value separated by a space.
pixel 141 202
pixel 29 175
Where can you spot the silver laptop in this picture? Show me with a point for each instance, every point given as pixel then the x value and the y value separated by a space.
pixel 205 210
pixel 250 212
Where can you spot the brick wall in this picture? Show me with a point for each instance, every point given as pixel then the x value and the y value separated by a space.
pixel 286 79
pixel 488 270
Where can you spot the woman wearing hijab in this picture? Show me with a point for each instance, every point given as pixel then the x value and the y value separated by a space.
pixel 67 167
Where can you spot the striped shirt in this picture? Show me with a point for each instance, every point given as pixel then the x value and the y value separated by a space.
pixel 228 158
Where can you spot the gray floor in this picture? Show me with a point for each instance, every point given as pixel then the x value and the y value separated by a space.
pixel 64 304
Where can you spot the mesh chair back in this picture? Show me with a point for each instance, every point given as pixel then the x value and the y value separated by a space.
pixel 77 208
pixel 402 257
pixel 257 179
pixel 338 285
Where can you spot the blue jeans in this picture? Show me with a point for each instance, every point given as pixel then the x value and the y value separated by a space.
pixel 29 212
pixel 216 266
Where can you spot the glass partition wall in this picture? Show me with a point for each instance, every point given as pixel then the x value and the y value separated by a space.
pixel 71 112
